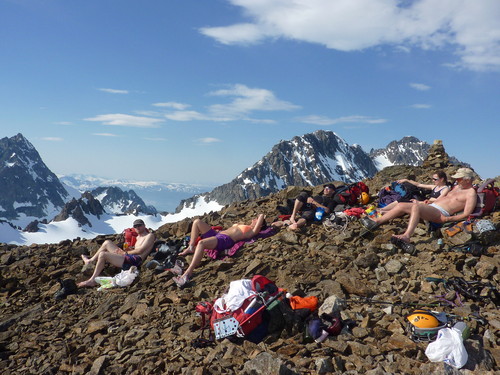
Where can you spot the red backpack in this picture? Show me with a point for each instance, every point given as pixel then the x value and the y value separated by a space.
pixel 130 236
pixel 249 314
pixel 487 196
pixel 349 194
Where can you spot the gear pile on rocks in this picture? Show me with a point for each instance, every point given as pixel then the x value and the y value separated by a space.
pixel 147 328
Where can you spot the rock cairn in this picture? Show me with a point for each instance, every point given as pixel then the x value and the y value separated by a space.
pixel 147 328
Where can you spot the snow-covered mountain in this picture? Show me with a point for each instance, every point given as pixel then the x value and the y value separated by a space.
pixel 29 188
pixel 312 159
pixel 162 195
pixel 407 151
pixel 116 201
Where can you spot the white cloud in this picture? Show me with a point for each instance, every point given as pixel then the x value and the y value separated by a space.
pixel 105 134
pixel 421 106
pixel 209 140
pixel 323 120
pixel 52 139
pixel 174 105
pixel 119 119
pixel 469 27
pixel 243 102
pixel 114 91
pixel 247 100
pixel 419 86
pixel 186 116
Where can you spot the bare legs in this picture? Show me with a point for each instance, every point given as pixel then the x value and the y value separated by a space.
pixel 416 211
pixel 199 227
pixel 207 243
pixel 292 223
pixel 103 257
pixel 107 246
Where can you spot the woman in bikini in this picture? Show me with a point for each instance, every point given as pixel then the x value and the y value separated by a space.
pixel 439 188
pixel 211 239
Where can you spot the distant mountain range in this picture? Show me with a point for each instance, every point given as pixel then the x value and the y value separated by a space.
pixel 32 194
pixel 162 195
pixel 312 159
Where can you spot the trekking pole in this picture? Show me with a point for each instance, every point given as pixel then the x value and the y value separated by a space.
pixel 369 301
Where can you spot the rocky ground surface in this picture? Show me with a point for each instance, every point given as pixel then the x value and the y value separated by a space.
pixel 147 328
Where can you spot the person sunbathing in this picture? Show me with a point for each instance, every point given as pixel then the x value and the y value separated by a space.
pixel 462 197
pixel 439 188
pixel 110 253
pixel 211 239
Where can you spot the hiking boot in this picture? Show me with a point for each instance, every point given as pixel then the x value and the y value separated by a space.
pixel 68 287
pixel 405 246
pixel 152 264
pixel 368 223
pixel 181 281
pixel 177 268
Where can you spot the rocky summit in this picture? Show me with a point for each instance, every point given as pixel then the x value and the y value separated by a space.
pixel 148 327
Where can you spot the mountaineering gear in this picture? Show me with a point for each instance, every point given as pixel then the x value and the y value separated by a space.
pixel 364 198
pixel 68 286
pixel 349 195
pixel 129 237
pixel 181 281
pixel 424 325
pixel 473 290
pixel 368 223
pixel 403 245
pixel 487 196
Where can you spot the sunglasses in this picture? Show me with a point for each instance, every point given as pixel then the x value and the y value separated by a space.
pixel 435 179
pixel 138 225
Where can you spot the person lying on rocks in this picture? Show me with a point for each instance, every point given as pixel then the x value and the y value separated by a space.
pixel 462 197
pixel 211 239
pixel 439 188
pixel 112 254
pixel 307 207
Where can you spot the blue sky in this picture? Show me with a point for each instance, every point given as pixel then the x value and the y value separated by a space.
pixel 197 91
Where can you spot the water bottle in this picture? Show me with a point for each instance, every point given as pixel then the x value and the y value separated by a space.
pixel 463 328
pixel 253 306
pixel 320 211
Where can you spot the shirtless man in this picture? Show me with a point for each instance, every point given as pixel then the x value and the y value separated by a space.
pixel 463 197
pixel 109 252
pixel 210 239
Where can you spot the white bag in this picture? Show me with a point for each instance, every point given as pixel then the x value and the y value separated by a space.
pixel 125 278
pixel 448 348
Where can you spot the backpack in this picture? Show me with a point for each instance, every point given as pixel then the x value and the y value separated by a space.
pixel 128 237
pixel 487 196
pixel 245 319
pixel 165 255
pixel 349 195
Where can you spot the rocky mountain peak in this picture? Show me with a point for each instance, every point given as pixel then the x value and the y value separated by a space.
pixel 116 201
pixel 28 186
pixel 79 208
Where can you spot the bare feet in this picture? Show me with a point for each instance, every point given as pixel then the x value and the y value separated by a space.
pixel 86 259
pixel 187 251
pixel 87 284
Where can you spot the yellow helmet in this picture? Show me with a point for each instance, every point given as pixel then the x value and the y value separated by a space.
pixel 423 319
pixel 364 198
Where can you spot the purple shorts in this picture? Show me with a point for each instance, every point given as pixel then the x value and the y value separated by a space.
pixel 223 240
pixel 133 260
